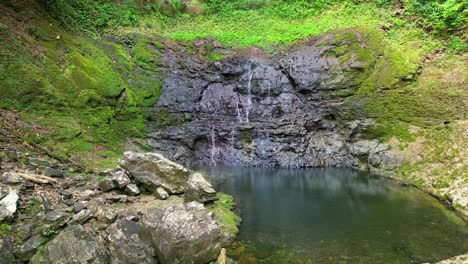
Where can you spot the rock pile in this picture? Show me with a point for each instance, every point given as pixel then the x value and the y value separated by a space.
pixel 149 210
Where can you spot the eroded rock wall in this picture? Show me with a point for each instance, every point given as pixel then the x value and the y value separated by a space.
pixel 257 109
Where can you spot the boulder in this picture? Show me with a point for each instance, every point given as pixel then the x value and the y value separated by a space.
pixel 82 245
pixel 153 171
pixel 125 244
pixel 107 184
pixel 118 180
pixel 132 189
pixel 187 233
pixel 199 189
pixel 160 193
pixel 8 205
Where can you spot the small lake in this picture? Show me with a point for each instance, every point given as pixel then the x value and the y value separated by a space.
pixel 336 216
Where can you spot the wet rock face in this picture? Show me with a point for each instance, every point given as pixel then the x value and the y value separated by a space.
pixel 285 111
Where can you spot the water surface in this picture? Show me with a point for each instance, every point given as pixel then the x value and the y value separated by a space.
pixel 336 216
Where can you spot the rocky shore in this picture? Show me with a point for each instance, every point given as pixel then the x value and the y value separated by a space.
pixel 148 210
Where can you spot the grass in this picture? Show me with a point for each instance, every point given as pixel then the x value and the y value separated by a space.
pixel 264 27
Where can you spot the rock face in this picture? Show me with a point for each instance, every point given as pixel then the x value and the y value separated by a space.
pixel 153 171
pixel 76 244
pixel 260 110
pixel 199 189
pixel 125 244
pixel 187 233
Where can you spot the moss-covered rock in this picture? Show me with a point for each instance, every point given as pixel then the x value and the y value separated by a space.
pixel 226 218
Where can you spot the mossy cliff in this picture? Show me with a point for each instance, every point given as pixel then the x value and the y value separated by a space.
pixel 88 93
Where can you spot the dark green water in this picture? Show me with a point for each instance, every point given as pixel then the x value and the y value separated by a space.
pixel 336 216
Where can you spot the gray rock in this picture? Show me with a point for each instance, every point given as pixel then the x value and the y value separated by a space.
pixel 187 233
pixel 11 178
pixel 153 171
pixel 199 189
pixel 152 217
pixel 76 244
pixel 6 251
pixel 79 207
pixel 121 179
pixel 107 184
pixel 68 202
pixel 81 217
pixel 56 216
pixel 125 244
pixel 132 189
pixel 117 180
pixel 160 193
pixel 53 173
pixel 107 216
pixel 29 248
pixel 8 205
pixel 65 194
pixel 3 191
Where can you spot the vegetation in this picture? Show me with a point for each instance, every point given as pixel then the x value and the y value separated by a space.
pixel 226 218
pixel 84 96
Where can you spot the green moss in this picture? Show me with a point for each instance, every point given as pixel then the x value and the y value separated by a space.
pixel 224 215
pixel 395 66
pixel 4 230
pixel 146 55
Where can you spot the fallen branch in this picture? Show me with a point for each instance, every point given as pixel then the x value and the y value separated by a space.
pixel 38 178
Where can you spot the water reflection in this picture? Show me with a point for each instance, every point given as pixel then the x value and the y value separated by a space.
pixel 316 212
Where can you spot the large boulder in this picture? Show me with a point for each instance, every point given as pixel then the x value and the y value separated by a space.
pixel 153 171
pixel 187 233
pixel 199 189
pixel 126 245
pixel 76 244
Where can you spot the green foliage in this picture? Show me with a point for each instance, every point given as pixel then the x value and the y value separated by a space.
pixel 457 45
pixel 4 230
pixel 444 17
pixel 93 15
pixel 176 6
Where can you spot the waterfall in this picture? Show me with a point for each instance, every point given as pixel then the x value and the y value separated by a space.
pixel 239 115
pixel 249 95
pixel 233 137
pixel 264 144
pixel 213 147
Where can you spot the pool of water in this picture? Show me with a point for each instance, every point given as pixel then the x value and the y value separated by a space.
pixel 336 216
